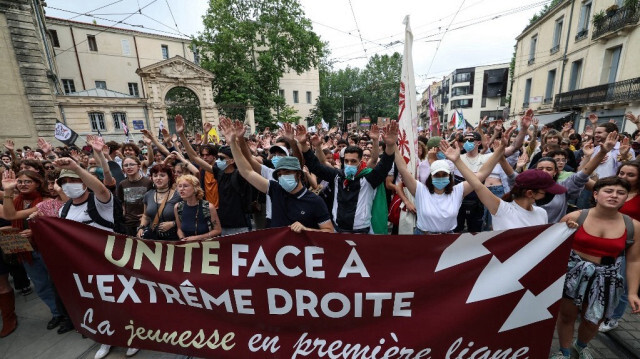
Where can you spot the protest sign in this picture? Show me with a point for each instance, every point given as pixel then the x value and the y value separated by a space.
pixel 277 294
pixel 12 242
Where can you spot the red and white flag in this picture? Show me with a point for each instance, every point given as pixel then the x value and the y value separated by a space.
pixel 408 110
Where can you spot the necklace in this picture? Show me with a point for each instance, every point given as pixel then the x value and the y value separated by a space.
pixel 165 191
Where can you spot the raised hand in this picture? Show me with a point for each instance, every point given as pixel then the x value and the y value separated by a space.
pixel 226 128
pixel 522 160
pixel 629 116
pixel 588 148
pixel 96 142
pixel 66 163
pixel 301 133
pixel 451 152
pixel 165 135
pixel 315 141
pixel 390 133
pixel 9 145
pixel 174 138
pixel 624 146
pixel 145 134
pixel 374 132
pixel 179 124
pixel 288 131
pixel 610 142
pixel 147 141
pixel 44 145
pixel 593 118
pixel 432 154
pixel 8 180
pixel 239 129
pixel 536 122
pixel 197 138
pixel 207 127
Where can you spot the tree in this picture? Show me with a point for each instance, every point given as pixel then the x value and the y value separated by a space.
pixel 181 100
pixel 382 85
pixel 249 45
pixel 289 114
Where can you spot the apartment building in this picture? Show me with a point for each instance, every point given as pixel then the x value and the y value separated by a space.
pixel 475 92
pixel 580 57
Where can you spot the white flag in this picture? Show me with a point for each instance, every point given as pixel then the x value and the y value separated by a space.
pixel 408 112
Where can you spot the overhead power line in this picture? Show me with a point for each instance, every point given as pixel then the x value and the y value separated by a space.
pixel 357 28
pixel 445 32
pixel 98 8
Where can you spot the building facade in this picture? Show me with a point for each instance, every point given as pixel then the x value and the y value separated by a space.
pixel 580 57
pixel 475 92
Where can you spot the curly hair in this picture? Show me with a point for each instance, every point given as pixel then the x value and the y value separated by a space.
pixel 161 167
pixel 195 182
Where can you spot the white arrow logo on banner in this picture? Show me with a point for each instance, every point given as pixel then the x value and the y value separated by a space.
pixel 499 278
pixel 532 309
pixel 465 248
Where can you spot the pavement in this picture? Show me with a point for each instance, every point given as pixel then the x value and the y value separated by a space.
pixel 32 340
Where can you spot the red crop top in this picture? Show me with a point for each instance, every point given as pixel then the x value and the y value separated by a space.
pixel 598 246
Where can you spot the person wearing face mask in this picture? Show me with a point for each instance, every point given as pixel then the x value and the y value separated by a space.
pixel 293 205
pixel 438 198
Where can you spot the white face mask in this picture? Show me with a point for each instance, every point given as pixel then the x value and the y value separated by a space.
pixel 74 190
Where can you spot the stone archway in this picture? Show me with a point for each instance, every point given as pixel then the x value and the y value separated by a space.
pixel 159 78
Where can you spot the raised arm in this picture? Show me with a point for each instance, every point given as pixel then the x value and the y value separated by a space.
pixel 94 184
pixel 595 160
pixel 374 134
pixel 525 122
pixel 246 153
pixel 9 184
pixel 97 143
pixel 161 147
pixel 409 181
pixel 486 197
pixel 193 156
pixel 231 132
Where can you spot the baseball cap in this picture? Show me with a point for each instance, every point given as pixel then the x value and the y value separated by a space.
pixel 275 148
pixel 440 166
pixel 226 150
pixel 433 142
pixel 476 136
pixel 537 179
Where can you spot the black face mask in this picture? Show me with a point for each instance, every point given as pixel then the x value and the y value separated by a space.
pixel 545 200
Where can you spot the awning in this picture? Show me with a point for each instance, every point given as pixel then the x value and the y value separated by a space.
pixel 552 117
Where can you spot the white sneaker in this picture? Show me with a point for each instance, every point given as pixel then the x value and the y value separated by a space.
pixel 103 351
pixel 607 325
pixel 131 352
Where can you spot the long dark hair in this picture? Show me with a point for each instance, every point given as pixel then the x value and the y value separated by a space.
pixel 635 164
pixel 35 176
pixel 447 190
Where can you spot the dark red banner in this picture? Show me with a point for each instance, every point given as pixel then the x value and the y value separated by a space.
pixel 278 294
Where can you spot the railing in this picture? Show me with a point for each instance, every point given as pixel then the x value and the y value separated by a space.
pixel 555 49
pixel 626 15
pixel 627 90
pixel 582 34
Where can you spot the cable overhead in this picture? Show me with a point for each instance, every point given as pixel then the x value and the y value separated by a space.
pixel 171 12
pixel 101 7
pixel 357 28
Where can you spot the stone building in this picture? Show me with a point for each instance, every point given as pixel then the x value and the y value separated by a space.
pixel 580 57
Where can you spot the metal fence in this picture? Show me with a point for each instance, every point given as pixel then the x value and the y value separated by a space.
pixel 627 90
pixel 626 15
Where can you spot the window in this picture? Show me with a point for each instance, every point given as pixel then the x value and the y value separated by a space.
pixel 551 79
pixel 281 93
pixel 68 86
pixel 308 96
pixel 583 24
pixel 93 45
pixel 133 89
pixel 459 91
pixel 101 85
pixel 97 121
pixel 126 48
pixel 118 118
pixel 165 51
pixel 532 49
pixel 54 38
pixel 527 93
pixel 484 102
pixel 576 72
pixel 462 103
pixel 614 54
pixel 462 77
pixel 295 97
pixel 557 35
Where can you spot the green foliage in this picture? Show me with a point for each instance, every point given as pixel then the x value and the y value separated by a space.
pixel 373 90
pixel 289 114
pixel 544 11
pixel 181 100
pixel 512 69
pixel 249 45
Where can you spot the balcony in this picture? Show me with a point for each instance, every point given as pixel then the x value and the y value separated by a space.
pixel 555 49
pixel 623 17
pixel 582 34
pixel 622 91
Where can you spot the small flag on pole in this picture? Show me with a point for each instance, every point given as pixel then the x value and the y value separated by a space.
pixel 64 134
pixel 434 115
pixel 123 122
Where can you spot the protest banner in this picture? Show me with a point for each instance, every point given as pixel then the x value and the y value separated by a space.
pixel 277 294
pixel 11 242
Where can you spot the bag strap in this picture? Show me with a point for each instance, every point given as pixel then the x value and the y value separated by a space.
pixel 92 210
pixel 628 223
pixel 156 219
pixel 582 217
pixel 66 208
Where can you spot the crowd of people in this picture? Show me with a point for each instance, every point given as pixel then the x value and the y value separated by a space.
pixel 497 176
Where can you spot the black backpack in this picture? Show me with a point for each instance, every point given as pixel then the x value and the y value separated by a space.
pixel 118 215
pixel 248 195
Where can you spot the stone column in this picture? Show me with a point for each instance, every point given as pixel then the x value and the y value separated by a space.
pixel 250 118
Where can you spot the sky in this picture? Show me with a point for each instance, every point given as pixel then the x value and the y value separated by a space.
pixel 447 34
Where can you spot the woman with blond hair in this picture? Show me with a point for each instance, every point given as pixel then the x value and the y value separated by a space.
pixel 195 218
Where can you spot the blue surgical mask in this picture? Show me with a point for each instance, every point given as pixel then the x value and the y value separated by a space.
pixel 222 164
pixel 441 156
pixel 469 146
pixel 275 160
pixel 350 171
pixel 440 182
pixel 288 182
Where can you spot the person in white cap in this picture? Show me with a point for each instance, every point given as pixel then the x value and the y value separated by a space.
pixel 438 199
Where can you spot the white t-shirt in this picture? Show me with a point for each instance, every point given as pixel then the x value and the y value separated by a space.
pixel 510 215
pixel 79 213
pixel 438 212
pixel 267 173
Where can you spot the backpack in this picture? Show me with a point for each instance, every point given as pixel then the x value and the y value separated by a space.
pixel 118 215
pixel 628 223
pixel 204 207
